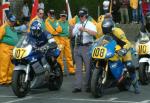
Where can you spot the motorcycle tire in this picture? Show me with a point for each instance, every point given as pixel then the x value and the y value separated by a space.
pixel 56 81
pixel 143 74
pixel 20 88
pixel 97 88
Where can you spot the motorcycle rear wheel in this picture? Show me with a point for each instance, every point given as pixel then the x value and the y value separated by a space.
pixel 19 87
pixel 56 80
pixel 97 88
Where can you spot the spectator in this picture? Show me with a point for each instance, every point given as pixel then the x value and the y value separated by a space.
pixel 52 25
pixel 83 32
pixel 141 15
pixel 41 4
pixel 134 7
pixel 64 41
pixel 106 4
pixel 124 11
pixel 115 11
pixel 74 21
pixel 25 12
pixel 40 16
pixel 8 39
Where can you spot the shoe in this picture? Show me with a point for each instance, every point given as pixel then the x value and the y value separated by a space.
pixel 71 73
pixel 76 90
pixel 136 88
pixel 5 85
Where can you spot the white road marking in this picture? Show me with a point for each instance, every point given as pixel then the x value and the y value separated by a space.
pixel 145 101
pixel 18 100
pixel 6 96
pixel 113 100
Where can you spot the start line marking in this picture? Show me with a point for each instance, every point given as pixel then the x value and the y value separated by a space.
pixel 110 100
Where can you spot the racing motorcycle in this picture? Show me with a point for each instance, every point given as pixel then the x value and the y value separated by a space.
pixel 32 69
pixel 143 51
pixel 108 69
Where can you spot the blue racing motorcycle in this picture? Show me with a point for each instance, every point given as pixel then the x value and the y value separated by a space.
pixel 33 70
pixel 107 67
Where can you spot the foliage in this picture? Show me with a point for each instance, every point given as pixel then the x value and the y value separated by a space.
pixel 75 5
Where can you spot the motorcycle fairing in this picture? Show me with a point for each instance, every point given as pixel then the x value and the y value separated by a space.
pixel 116 68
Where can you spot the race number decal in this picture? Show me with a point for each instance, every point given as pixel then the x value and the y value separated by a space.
pixel 20 53
pixel 99 52
pixel 143 49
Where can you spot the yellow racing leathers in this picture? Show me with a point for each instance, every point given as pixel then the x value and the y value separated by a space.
pixel 64 41
pixel 121 39
pixel 8 39
pixel 53 27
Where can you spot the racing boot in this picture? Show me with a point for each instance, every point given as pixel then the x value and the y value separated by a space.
pixel 135 83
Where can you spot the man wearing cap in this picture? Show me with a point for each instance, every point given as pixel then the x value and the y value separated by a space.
pixel 40 16
pixel 84 31
pixel 52 25
pixel 64 40
pixel 76 20
pixel 8 39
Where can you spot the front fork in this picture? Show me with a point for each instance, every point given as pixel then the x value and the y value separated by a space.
pixel 104 72
pixel 27 73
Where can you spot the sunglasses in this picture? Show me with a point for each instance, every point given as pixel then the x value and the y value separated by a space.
pixel 81 16
pixel 41 13
pixel 63 16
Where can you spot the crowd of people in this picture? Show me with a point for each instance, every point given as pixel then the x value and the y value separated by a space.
pixel 74 37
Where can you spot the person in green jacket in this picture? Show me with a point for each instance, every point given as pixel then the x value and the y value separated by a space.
pixel 64 41
pixel 8 39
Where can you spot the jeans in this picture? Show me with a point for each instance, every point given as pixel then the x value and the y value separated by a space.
pixel 134 15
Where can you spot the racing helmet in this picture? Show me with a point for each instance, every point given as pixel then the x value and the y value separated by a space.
pixel 12 18
pixel 36 28
pixel 107 25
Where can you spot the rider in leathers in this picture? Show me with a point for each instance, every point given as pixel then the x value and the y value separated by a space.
pixel 39 38
pixel 109 28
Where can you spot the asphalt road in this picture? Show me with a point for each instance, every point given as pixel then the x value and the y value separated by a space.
pixel 65 95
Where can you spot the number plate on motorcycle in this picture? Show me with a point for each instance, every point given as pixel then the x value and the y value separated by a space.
pixel 99 53
pixel 143 48
pixel 19 53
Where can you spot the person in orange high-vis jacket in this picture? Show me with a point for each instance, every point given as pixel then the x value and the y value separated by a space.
pixel 52 25
pixel 64 40
pixel 134 7
pixel 8 39
pixel 40 15
pixel 99 23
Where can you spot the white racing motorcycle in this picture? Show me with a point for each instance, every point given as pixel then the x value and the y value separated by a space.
pixel 143 50
pixel 32 69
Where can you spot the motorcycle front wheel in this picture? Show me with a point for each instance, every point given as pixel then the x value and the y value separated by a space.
pixel 19 87
pixel 97 88
pixel 56 79
pixel 143 73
